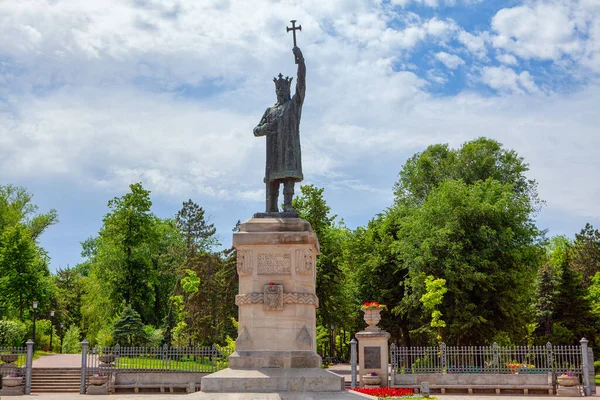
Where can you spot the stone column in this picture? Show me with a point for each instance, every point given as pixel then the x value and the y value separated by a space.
pixel 373 354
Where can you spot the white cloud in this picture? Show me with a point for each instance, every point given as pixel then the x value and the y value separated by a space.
pixel 434 3
pixel 507 59
pixel 548 30
pixel 451 61
pixel 474 43
pixel 506 79
pixel 106 93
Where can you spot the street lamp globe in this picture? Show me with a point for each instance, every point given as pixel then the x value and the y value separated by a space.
pixel 35 304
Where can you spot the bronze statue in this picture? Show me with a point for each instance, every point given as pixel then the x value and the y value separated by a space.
pixel 281 125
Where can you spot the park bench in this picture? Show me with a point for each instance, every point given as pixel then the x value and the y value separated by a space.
pixel 471 381
pixel 155 381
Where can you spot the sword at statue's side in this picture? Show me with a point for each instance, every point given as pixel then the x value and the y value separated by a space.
pixel 294 28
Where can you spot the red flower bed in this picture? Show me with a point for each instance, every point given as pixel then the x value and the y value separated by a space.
pixel 385 392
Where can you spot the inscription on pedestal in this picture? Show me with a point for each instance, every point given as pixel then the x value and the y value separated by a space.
pixel 274 264
pixel 373 357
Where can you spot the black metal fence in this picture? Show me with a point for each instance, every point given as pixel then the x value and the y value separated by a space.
pixel 157 359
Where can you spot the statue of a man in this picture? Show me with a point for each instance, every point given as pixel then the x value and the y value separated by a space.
pixel 281 125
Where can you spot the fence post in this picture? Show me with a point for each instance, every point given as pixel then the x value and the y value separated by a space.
pixel 496 358
pixel 214 357
pixel 587 387
pixel 393 363
pixel 442 358
pixel 592 369
pixel 28 366
pixel 353 362
pixel 549 357
pixel 84 346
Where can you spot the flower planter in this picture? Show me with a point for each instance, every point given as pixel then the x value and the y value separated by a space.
pixel 106 359
pixel 12 381
pixel 565 380
pixel 9 358
pixel 371 380
pixel 372 316
pixel 97 380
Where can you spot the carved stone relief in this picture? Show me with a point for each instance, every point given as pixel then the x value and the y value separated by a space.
pixel 288 298
pixel 273 298
pixel 274 264
pixel 304 261
pixel 244 262
pixel 304 339
pixel 301 298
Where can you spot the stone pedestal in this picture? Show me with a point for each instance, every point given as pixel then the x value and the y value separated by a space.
pixel 276 344
pixel 373 354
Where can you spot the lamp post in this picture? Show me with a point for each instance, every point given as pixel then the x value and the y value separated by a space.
pixel 35 305
pixel 332 351
pixel 51 328
pixel 62 327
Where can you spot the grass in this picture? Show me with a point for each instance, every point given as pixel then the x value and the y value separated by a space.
pixel 598 380
pixel 194 364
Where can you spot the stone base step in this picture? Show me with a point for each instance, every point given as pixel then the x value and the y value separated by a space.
pixel 272 380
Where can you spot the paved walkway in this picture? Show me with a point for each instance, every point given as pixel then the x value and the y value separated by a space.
pixel 58 361
pixel 264 396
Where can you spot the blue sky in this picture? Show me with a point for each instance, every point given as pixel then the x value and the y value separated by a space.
pixel 97 95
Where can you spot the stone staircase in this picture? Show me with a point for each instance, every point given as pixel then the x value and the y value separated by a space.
pixel 55 380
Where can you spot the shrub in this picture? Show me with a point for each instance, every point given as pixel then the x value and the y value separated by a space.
pixel 154 335
pixel 12 333
pixel 104 337
pixel 72 341
pixel 128 329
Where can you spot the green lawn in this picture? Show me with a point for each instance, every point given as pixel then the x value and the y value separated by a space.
pixel 598 380
pixel 197 364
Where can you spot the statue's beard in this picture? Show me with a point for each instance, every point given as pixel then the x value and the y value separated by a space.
pixel 282 98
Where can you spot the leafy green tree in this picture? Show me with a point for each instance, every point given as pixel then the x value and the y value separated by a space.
pixel 334 302
pixel 128 329
pixel 72 341
pixel 24 274
pixel 572 308
pixel 70 289
pixel 481 240
pixel 586 253
pixel 435 289
pixel 594 295
pixel 464 215
pixel 123 248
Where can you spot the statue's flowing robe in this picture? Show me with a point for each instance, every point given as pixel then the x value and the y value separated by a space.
pixel 284 159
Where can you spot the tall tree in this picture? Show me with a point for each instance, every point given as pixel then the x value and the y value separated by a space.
pixel 464 215
pixel 24 273
pixel 199 235
pixel 586 253
pixel 311 205
pixel 122 267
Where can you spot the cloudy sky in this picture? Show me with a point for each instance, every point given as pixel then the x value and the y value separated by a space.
pixel 95 95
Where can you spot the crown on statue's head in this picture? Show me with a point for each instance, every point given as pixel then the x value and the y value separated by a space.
pixel 282 83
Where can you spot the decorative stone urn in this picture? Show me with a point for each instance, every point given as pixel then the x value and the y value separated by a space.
pixel 371 380
pixel 98 380
pixel 9 358
pixel 372 317
pixel 12 381
pixel 565 380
